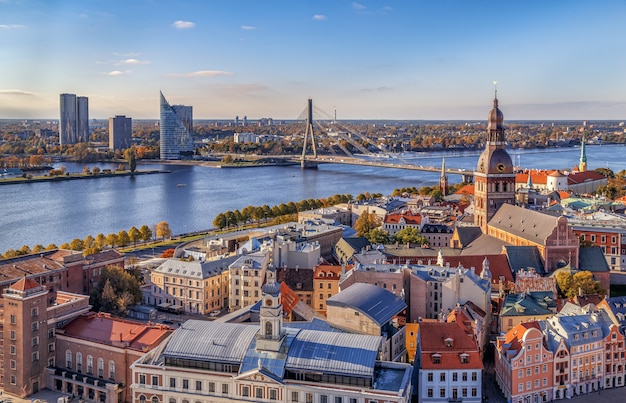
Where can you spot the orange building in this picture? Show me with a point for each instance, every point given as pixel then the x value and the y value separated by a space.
pixel 325 285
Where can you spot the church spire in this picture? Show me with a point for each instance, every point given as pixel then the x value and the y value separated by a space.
pixel 443 179
pixel 582 164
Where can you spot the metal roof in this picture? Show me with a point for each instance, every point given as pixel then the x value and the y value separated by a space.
pixel 377 303
pixel 335 353
pixel 214 341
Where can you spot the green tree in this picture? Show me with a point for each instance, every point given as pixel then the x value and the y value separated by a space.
pixel 116 291
pixel 163 230
pixel 378 236
pixel 410 235
pixel 134 235
pixel 146 233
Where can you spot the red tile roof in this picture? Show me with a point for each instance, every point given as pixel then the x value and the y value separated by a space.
pixel 433 339
pixel 466 190
pixel 24 284
pixel 498 265
pixel 104 329
pixel 580 177
pixel 408 218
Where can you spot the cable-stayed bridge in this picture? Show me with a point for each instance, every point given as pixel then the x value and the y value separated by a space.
pixel 329 127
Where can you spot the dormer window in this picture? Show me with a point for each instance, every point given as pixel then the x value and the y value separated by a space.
pixel 464 358
pixel 448 342
pixel 436 358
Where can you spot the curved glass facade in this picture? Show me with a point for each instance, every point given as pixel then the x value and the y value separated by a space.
pixel 176 137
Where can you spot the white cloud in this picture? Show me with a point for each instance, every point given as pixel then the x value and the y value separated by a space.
pixel 320 17
pixel 248 27
pixel 183 24
pixel 357 6
pixel 11 26
pixel 133 61
pixel 129 54
pixel 117 73
pixel 16 92
pixel 203 73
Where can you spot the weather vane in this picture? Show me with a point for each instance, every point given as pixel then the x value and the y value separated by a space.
pixel 495 86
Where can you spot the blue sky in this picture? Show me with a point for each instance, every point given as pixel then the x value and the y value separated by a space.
pixel 390 59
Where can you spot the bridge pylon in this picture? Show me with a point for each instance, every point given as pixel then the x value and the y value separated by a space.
pixel 304 162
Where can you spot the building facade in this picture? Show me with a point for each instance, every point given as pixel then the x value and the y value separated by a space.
pixel 176 141
pixel 74 119
pixel 120 132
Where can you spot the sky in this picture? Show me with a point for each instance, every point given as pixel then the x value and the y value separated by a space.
pixel 387 59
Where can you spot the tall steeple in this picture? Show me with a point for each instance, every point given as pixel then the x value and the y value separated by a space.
pixel 494 176
pixel 582 164
pixel 443 179
pixel 271 334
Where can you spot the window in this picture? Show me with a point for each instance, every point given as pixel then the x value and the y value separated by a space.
pixel 13 319
pixel 442 377
pixel 430 377
pixel 436 359
pixel 212 387
pixel 198 385
pixel 12 335
pixel 34 326
pixel 155 380
pixel 34 341
pixel 455 377
pixel 323 399
pixel 474 376
pixel 464 376
pixel 430 392
pixel 258 393
pixel 294 396
pixel 111 369
pixel 273 394
pixel 35 356
pixel 100 368
pixel 68 359
pixel 142 380
pixel 142 399
pixel 474 392
pixel 442 392
pixel 464 392
pixel 309 398
pixel 89 364
pixel 13 364
pixel 245 391
pixel 51 333
pixel 224 388
pixel 172 382
pixel 185 383
pixel 155 399
pixel 338 399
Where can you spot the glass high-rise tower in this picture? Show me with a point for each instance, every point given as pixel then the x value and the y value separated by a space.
pixel 74 120
pixel 176 128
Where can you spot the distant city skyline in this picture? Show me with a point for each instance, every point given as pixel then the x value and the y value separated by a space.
pixel 412 60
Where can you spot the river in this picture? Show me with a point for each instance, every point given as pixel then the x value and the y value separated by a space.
pixel 57 212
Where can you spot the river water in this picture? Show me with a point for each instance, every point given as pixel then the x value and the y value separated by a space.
pixel 44 213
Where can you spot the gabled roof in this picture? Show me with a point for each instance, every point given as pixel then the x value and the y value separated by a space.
pixel 409 219
pixel 468 234
pixel 527 224
pixel 575 178
pixel 376 303
pixel 513 339
pixel 484 245
pixel 448 341
pixel 297 279
pixel 357 243
pixel 498 265
pixel 593 260
pixel 523 258
pixel 24 284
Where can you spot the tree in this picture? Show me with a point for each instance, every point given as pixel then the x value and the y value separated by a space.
pixel 146 233
pixel 571 284
pixel 220 221
pixel 122 238
pixel 51 247
pixel 89 242
pixel 112 239
pixel 116 291
pixel 409 235
pixel 167 253
pixel 366 222
pixel 134 235
pixel 378 235
pixel 38 248
pixel 100 242
pixel 129 154
pixel 163 230
pixel 95 170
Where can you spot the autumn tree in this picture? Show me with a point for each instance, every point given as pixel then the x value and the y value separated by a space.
pixel 366 222
pixel 115 291
pixel 129 154
pixel 571 284
pixel 111 239
pixel 220 221
pixel 146 233
pixel 134 235
pixel 122 238
pixel 163 230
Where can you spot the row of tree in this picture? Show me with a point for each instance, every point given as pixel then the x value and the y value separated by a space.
pixel 90 245
pixel 265 213
pixel 368 226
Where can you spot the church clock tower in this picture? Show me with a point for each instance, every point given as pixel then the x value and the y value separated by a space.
pixel 494 179
pixel 271 334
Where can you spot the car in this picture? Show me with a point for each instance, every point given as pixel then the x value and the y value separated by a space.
pixel 214 313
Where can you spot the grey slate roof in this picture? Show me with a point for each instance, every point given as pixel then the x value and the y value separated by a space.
pixel 527 304
pixel 617 305
pixel 334 352
pixel 527 224
pixel 592 259
pixel 376 303
pixel 468 234
pixel 211 341
pixel 524 257
pixel 484 245
pixel 195 269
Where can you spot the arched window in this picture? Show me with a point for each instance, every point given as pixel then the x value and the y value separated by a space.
pixel 142 399
pixel 89 364
pixel 79 362
pixel 268 329
pixel 111 369
pixel 172 400
pixel 155 399
pixel 68 358
pixel 100 367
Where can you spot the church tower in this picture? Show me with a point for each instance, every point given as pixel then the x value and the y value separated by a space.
pixel 582 164
pixel 494 179
pixel 271 335
pixel 443 179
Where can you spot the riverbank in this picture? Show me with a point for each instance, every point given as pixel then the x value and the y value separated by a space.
pixel 76 176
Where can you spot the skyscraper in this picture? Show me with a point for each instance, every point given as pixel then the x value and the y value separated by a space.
pixel 176 126
pixel 74 121
pixel 120 132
